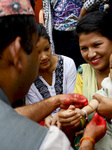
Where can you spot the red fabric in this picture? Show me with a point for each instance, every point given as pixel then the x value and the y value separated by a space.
pixel 41 123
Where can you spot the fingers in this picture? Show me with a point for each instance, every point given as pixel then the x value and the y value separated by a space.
pixel 55 119
pixel 79 105
pixel 71 121
pixel 71 107
pixel 75 123
pixel 48 122
pixel 102 122
pixel 74 99
pixel 79 133
pixel 98 120
pixel 65 115
pixel 59 125
pixel 95 118
pixel 80 99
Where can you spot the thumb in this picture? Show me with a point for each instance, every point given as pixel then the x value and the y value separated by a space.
pixel 71 107
pixel 95 118
pixel 98 120
pixel 102 122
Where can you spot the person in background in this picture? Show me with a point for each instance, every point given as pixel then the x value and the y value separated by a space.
pixel 56 75
pixel 105 91
pixel 65 18
pixel 91 5
pixel 48 18
pixel 95 42
pixel 41 17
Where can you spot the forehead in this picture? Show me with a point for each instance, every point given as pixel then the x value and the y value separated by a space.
pixel 92 37
pixel 42 40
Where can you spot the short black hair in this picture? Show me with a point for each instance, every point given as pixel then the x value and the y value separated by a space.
pixel 17 25
pixel 42 32
pixel 97 21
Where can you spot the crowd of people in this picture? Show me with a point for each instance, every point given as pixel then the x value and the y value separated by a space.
pixel 74 102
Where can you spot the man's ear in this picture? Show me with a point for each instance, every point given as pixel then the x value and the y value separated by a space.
pixel 15 53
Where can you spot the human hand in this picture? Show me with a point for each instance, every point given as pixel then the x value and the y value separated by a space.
pixel 55 121
pixel 98 126
pixel 75 99
pixel 81 112
pixel 48 121
pixel 105 106
pixel 69 117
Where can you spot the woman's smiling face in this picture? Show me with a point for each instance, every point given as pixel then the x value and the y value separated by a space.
pixel 96 50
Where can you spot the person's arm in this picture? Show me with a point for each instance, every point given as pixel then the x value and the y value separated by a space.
pixel 41 17
pixel 90 108
pixel 86 145
pixel 98 126
pixel 91 6
pixel 48 121
pixel 105 106
pixel 38 111
pixel 83 12
pixel 52 120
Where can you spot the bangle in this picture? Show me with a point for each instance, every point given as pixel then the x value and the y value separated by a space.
pixel 85 113
pixel 86 138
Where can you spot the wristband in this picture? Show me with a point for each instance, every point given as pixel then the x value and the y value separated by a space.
pixel 85 113
pixel 86 138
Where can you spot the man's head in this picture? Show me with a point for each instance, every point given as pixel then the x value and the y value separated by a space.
pixel 18 52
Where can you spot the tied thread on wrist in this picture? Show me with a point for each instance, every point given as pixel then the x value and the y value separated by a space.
pixel 91 106
pixel 86 138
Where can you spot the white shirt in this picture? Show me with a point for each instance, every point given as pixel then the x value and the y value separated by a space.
pixel 106 89
pixel 63 81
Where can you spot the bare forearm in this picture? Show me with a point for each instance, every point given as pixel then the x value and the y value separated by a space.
pixel 40 110
pixel 83 12
pixel 86 145
pixel 91 107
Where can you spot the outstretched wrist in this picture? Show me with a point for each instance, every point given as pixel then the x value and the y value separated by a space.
pixel 84 114
pixel 56 101
pixel 86 138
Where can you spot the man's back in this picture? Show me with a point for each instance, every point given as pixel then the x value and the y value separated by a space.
pixel 18 132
